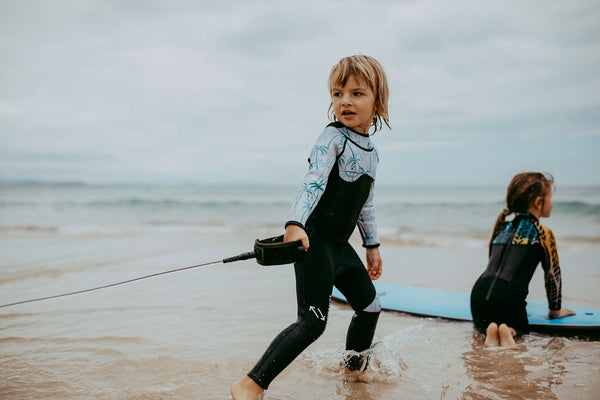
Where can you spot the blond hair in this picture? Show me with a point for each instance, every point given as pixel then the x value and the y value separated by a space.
pixel 372 73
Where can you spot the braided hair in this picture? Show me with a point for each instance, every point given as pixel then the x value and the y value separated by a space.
pixel 523 189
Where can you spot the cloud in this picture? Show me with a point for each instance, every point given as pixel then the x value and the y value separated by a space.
pixel 197 91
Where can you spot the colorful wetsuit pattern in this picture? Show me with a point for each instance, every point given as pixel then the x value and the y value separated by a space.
pixel 525 234
pixel 552 269
pixel 354 156
pixel 514 255
pixel 531 243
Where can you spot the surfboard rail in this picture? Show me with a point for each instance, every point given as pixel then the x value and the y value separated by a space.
pixel 452 305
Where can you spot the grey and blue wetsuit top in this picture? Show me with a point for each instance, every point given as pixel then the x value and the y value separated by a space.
pixel 337 191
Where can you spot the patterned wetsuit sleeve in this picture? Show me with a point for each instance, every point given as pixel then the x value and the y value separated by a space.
pixel 366 222
pixel 551 267
pixel 321 161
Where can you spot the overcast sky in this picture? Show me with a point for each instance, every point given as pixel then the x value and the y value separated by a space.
pixel 234 92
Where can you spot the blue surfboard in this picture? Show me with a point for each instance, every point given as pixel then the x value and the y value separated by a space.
pixel 456 306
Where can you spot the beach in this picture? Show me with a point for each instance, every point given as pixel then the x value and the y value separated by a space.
pixel 191 334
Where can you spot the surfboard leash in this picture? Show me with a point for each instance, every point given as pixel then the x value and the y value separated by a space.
pixel 271 251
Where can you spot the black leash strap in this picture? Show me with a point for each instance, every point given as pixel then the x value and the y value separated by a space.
pixel 112 284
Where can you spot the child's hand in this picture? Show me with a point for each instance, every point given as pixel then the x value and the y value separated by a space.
pixel 563 312
pixel 374 263
pixel 293 233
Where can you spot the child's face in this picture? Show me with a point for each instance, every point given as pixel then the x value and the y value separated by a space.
pixel 547 207
pixel 541 207
pixel 354 104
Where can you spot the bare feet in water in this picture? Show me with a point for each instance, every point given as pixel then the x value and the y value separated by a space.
pixel 499 336
pixel 246 389
pixel 507 335
pixel 491 335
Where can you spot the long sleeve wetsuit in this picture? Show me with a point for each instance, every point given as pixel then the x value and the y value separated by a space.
pixel 335 197
pixel 500 292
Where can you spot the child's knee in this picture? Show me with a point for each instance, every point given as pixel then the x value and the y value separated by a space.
pixel 374 307
pixel 315 330
pixel 313 326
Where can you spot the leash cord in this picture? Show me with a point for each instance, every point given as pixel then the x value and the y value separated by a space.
pixel 115 284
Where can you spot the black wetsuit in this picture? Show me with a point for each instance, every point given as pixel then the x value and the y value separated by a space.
pixel 500 292
pixel 337 194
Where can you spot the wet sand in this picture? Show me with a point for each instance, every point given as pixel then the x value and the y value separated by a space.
pixel 189 335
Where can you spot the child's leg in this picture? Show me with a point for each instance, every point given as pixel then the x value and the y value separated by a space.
pixel 359 338
pixel 314 280
pixel 507 335
pixel 246 389
pixel 491 335
pixel 353 281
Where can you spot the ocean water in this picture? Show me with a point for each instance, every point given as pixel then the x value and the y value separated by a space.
pixel 418 216
pixel 190 334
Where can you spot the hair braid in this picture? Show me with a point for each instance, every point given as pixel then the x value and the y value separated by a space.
pixel 522 190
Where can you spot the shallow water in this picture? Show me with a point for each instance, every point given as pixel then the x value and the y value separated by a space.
pixel 190 334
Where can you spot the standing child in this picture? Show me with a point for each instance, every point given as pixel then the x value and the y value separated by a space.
pixel 336 195
pixel 516 248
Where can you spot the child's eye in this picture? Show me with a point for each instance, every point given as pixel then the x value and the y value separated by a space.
pixel 357 93
pixel 337 94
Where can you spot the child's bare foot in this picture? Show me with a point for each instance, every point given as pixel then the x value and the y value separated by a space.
pixel 507 335
pixel 246 389
pixel 491 335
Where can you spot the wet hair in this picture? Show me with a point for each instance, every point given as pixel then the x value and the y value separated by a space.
pixel 522 191
pixel 368 69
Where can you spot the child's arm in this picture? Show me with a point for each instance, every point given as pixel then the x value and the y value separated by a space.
pixel 374 263
pixel 551 266
pixel 366 222
pixel 368 231
pixel 321 161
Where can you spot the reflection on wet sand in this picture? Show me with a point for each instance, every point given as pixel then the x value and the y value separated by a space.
pixel 518 372
pixel 353 389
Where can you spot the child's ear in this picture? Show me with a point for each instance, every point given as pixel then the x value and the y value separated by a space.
pixel 538 202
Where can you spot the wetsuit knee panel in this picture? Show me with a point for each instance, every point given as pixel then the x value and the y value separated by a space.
pixel 374 307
